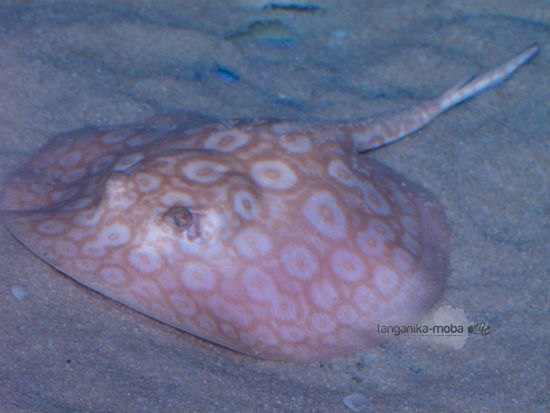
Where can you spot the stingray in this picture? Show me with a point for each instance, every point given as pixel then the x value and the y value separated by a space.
pixel 279 239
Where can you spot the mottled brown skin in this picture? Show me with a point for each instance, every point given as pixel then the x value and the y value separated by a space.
pixel 273 238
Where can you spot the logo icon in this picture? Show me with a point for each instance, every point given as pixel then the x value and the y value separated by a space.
pixel 480 327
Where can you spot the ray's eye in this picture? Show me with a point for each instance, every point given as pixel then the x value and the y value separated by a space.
pixel 179 216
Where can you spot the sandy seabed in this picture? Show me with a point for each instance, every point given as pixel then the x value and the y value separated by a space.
pixel 69 64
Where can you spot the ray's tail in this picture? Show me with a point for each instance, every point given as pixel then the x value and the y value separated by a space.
pixel 370 135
